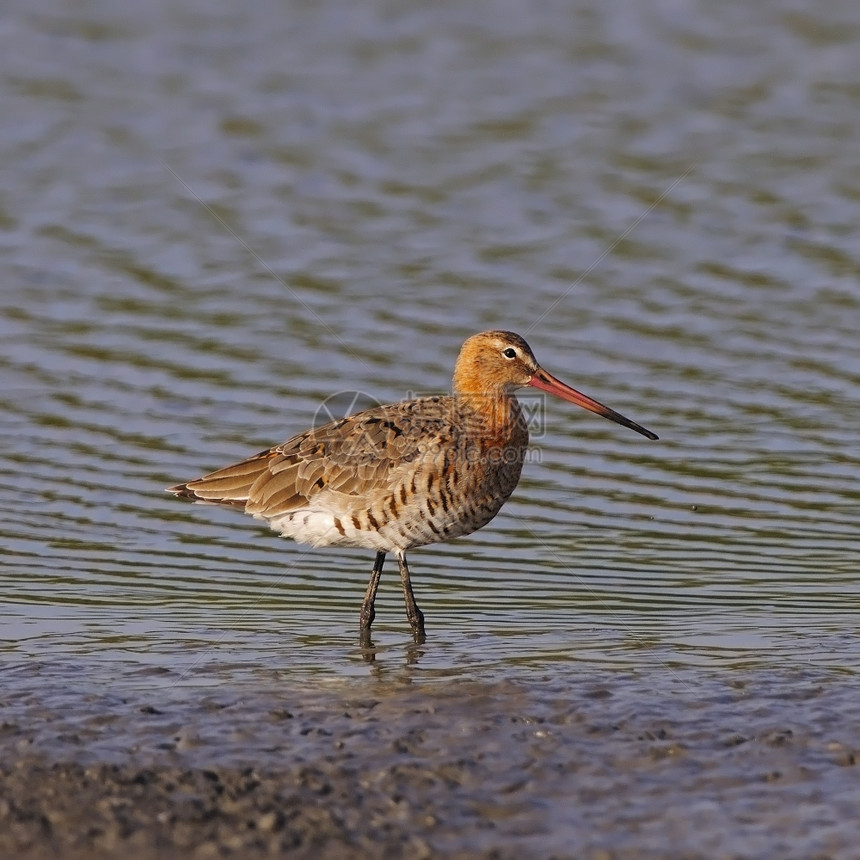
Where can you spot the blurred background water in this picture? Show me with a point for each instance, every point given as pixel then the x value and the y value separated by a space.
pixel 214 216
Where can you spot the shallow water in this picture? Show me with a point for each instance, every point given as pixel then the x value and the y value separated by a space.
pixel 214 219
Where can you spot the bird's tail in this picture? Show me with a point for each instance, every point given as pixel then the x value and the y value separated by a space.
pixel 230 486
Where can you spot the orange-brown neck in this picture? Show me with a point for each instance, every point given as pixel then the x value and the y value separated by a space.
pixel 494 417
pixel 484 386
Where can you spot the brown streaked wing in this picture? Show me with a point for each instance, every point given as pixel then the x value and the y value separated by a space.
pixel 355 456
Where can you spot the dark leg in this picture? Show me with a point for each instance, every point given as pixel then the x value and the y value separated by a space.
pixel 368 613
pixel 413 613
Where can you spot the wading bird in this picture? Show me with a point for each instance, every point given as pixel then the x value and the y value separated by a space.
pixel 405 475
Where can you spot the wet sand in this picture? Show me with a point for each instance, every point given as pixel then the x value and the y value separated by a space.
pixel 586 765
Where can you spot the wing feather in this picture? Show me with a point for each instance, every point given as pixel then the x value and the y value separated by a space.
pixel 352 457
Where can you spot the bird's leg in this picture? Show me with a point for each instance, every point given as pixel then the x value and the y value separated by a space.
pixel 368 613
pixel 413 613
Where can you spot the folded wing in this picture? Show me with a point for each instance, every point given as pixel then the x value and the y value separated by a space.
pixel 354 456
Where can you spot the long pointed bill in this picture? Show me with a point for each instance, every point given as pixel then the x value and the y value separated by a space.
pixel 545 382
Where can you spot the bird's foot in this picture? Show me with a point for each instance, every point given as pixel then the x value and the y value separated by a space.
pixel 416 622
pixel 365 643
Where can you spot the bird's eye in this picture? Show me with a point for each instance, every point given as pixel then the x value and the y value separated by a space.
pixel 510 352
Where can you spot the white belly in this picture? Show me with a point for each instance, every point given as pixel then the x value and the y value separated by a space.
pixel 319 528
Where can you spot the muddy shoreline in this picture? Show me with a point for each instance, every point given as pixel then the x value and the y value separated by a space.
pixel 585 765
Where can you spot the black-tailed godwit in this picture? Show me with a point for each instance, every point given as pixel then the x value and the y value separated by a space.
pixel 405 475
